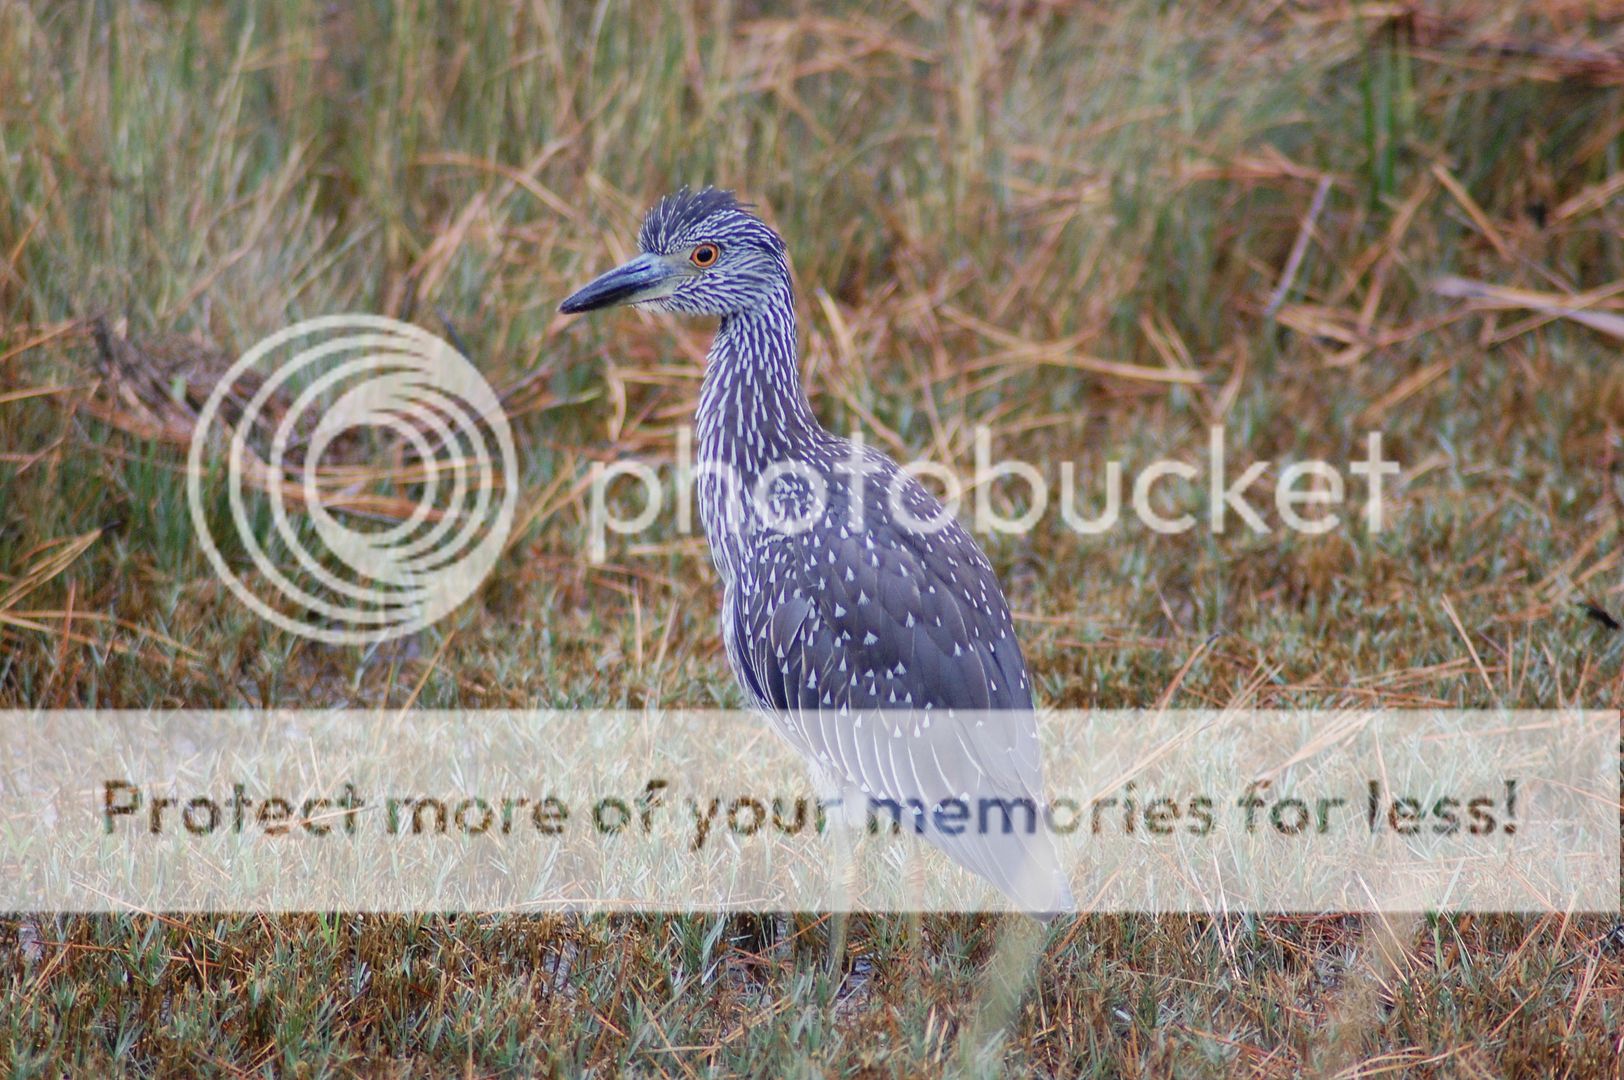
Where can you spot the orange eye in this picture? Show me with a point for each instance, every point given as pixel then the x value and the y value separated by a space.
pixel 705 255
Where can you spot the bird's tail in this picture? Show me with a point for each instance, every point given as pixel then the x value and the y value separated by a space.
pixel 1022 862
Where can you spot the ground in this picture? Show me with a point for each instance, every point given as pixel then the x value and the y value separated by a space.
pixel 1101 229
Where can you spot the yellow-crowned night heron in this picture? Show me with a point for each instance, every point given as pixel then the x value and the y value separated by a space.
pixel 856 612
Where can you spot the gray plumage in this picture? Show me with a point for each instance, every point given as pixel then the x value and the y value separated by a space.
pixel 857 614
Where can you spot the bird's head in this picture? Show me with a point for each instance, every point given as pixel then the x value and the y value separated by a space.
pixel 703 253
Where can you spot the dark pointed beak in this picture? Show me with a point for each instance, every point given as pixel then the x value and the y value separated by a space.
pixel 646 277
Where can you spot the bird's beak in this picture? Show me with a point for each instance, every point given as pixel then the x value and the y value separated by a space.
pixel 647 277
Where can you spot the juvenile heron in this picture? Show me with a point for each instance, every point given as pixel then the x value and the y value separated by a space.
pixel 856 612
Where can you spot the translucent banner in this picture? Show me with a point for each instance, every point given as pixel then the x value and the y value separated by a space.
pixel 707 811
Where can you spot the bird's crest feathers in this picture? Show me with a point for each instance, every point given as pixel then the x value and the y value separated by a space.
pixel 674 219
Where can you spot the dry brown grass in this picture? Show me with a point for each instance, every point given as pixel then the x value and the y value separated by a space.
pixel 1099 229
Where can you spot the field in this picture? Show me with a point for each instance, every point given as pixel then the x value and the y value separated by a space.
pixel 1099 229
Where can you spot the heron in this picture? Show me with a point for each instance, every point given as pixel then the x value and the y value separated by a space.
pixel 857 613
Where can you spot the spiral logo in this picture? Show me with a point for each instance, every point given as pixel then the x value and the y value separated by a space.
pixel 370 475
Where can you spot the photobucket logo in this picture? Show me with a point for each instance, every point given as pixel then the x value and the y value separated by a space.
pixel 1167 497
pixel 370 473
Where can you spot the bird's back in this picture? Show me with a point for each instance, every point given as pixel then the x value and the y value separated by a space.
pixel 869 625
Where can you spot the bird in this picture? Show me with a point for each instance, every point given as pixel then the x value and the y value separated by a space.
pixel 857 613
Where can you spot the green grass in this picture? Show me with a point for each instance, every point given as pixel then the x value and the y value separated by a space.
pixel 1126 179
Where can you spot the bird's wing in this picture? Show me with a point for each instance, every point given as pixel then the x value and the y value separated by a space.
pixel 888 655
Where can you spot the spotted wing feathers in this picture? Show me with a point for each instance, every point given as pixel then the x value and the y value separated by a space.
pixel 888 656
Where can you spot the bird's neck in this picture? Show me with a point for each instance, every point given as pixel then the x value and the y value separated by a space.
pixel 753 410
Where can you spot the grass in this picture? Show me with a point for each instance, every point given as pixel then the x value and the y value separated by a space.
pixel 982 202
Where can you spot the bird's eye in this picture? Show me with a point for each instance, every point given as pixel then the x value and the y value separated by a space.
pixel 705 255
